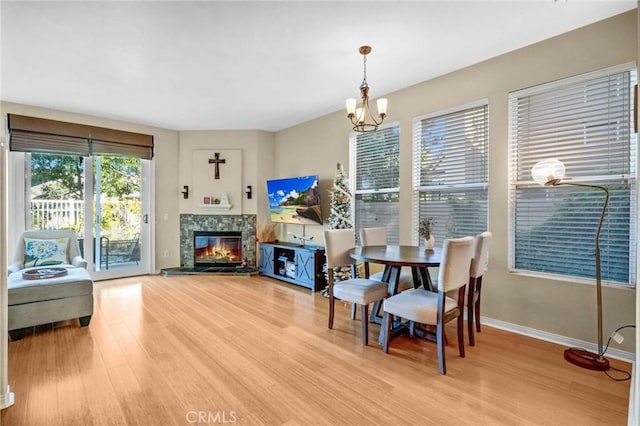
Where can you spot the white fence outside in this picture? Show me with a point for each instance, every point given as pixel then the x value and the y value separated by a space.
pixel 57 214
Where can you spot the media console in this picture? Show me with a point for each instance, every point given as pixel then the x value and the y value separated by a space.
pixel 294 263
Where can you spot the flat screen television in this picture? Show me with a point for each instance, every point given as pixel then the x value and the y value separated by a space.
pixel 295 200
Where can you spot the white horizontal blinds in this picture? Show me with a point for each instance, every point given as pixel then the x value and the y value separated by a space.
pixel 585 122
pixel 564 122
pixel 32 134
pixel 376 182
pixel 451 170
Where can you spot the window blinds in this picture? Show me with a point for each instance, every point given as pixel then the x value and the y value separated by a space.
pixel 585 122
pixel 451 170
pixel 31 134
pixel 375 172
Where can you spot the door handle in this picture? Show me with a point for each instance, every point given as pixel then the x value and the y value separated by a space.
pixel 145 218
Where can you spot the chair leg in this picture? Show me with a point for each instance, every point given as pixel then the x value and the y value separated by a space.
pixel 84 321
pixel 353 311
pixel 386 331
pixel 331 309
pixel 16 335
pixel 477 307
pixel 364 309
pixel 470 315
pixel 461 335
pixel 442 365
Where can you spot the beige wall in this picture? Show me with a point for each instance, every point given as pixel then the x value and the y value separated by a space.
pixel 558 307
pixel 165 179
pixel 257 155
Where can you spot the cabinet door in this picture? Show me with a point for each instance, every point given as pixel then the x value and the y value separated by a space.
pixel 305 267
pixel 266 259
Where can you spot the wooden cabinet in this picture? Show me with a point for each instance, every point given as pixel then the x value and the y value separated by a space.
pixel 266 259
pixel 293 263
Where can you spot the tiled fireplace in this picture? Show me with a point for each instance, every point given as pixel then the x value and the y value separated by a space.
pixel 242 225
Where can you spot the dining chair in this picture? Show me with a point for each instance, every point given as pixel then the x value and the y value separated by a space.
pixel 378 237
pixel 436 308
pixel 479 265
pixel 361 291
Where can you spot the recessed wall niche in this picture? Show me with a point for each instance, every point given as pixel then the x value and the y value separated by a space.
pixel 217 177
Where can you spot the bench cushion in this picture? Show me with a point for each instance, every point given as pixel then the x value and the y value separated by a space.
pixel 77 282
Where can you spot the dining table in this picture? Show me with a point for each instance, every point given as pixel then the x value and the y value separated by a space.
pixel 394 257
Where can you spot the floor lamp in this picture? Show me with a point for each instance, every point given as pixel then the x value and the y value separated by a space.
pixel 550 173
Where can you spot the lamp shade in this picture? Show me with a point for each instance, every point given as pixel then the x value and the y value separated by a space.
pixel 351 106
pixel 382 106
pixel 548 172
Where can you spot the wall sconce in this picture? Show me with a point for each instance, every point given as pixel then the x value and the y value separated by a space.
pixel 249 191
pixel 185 193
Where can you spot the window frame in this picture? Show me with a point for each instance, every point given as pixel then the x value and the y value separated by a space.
pixel 392 234
pixel 417 188
pixel 514 184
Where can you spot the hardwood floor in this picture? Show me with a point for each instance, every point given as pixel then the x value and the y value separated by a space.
pixel 251 350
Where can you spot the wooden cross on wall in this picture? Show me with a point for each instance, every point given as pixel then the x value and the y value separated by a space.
pixel 217 161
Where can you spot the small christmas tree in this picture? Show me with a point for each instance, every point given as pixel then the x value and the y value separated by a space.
pixel 340 214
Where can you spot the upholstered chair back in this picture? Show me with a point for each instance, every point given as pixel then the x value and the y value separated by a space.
pixel 337 244
pixel 480 261
pixel 454 266
pixel 373 236
pixel 73 249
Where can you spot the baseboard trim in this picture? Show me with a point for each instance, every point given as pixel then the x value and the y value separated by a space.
pixel 556 338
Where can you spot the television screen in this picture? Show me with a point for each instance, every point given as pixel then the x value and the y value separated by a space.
pixel 295 200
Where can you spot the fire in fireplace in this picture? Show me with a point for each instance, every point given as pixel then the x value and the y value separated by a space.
pixel 217 248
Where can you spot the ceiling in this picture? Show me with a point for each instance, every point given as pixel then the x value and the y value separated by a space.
pixel 254 65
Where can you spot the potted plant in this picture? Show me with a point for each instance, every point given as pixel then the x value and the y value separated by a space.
pixel 425 226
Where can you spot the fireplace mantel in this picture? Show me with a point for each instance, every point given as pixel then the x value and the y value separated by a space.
pixel 221 207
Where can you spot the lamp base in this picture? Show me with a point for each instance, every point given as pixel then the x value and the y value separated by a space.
pixel 586 359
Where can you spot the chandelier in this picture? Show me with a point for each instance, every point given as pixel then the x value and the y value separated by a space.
pixel 361 116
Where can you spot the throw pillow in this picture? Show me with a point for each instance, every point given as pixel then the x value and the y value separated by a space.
pixel 40 252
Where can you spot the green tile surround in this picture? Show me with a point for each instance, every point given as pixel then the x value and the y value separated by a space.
pixel 198 222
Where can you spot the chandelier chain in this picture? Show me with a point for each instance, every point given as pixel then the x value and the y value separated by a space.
pixel 364 74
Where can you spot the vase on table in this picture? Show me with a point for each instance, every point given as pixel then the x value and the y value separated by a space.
pixel 430 242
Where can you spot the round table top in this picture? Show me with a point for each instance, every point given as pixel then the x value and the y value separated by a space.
pixel 398 255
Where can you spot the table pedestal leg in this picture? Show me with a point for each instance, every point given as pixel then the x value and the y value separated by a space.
pixel 391 275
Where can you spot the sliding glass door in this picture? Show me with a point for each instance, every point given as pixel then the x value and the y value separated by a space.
pixel 62 191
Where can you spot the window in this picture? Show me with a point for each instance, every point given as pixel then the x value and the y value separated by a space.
pixel 585 122
pixel 93 180
pixel 451 171
pixel 375 174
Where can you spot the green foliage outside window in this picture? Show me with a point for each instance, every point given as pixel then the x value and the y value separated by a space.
pixel 59 178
